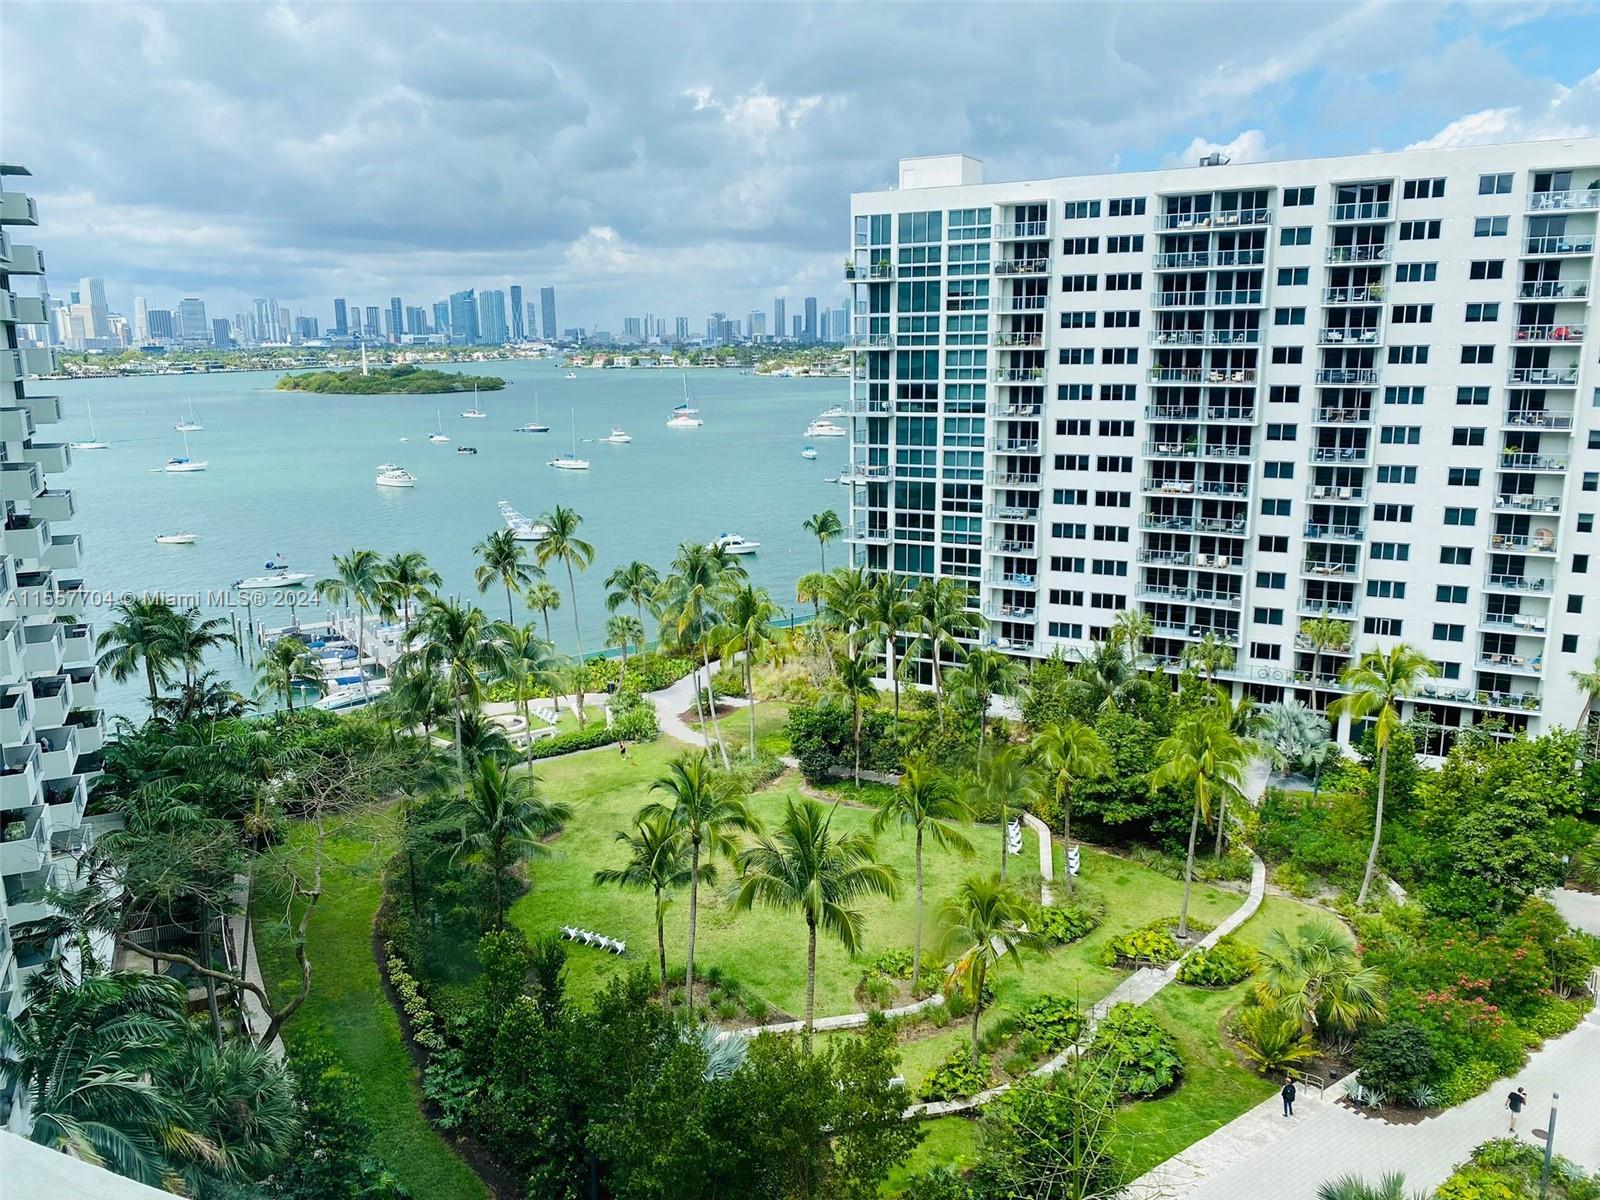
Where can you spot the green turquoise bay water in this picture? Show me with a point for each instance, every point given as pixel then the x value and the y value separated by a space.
pixel 291 474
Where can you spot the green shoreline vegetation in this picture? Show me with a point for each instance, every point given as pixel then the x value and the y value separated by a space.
pixel 389 381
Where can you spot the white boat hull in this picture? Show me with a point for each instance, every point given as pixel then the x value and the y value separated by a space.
pixel 395 483
pixel 562 464
pixel 177 539
pixel 282 580
pixel 89 445
pixel 187 468
pixel 684 423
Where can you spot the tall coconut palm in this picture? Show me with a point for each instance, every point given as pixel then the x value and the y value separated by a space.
pixel 563 545
pixel 1317 977
pixel 825 526
pixel 1003 781
pixel 845 593
pixel 985 675
pixel 984 924
pixel 939 615
pixel 855 680
pixel 658 859
pixel 1203 756
pixel 1325 635
pixel 1129 629
pixel 804 866
pixel 504 561
pixel 624 630
pixel 1245 721
pixel 632 583
pixel 925 802
pixel 1212 653
pixel 707 809
pixel 140 638
pixel 1070 752
pixel 692 597
pixel 531 665
pixel 460 643
pixel 808 590
pixel 355 581
pixel 503 818
pixel 747 618
pixel 546 597
pixel 404 579
pixel 1589 684
pixel 285 662
pixel 1106 679
pixel 885 613
pixel 193 636
pixel 1377 684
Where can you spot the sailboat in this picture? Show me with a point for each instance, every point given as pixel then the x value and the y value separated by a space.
pixel 684 415
pixel 535 425
pixel 183 465
pixel 438 435
pixel 191 423
pixel 571 462
pixel 94 442
pixel 474 413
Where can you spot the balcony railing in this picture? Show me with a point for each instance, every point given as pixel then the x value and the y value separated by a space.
pixel 1544 376
pixel 861 406
pixel 1348 337
pixel 1564 201
pixel 1511 461
pixel 1177 299
pixel 1023 230
pixel 1032 338
pixel 1521 502
pixel 1169 524
pixel 1015 446
pixel 1368 294
pixel 1022 266
pixel 1203 260
pixel 870 534
pixel 862 473
pixel 1359 254
pixel 1336 533
pixel 1205 337
pixel 1545 245
pixel 1538 418
pixel 1018 304
pixel 1012 512
pixel 1539 542
pixel 1020 410
pixel 1014 479
pixel 1340 454
pixel 1226 297
pixel 1521 623
pixel 1189 595
pixel 1517 583
pixel 1019 374
pixel 1014 547
pixel 1330 491
pixel 1328 568
pixel 1550 333
pixel 874 271
pixel 1014 579
pixel 1222 219
pixel 1232 526
pixel 1340 415
pixel 1009 612
pixel 1372 210
pixel 1174 558
pixel 1315 606
pixel 1202 375
pixel 870 341
pixel 1348 376
pixel 1553 289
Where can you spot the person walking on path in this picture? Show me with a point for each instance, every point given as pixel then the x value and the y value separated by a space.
pixel 1288 1094
pixel 1514 1102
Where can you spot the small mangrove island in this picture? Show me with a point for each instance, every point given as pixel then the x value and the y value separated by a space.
pixel 381 381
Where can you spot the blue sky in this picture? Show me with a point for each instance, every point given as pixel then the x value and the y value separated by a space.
pixel 679 158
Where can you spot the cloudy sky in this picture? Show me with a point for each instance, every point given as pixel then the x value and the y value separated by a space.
pixel 680 158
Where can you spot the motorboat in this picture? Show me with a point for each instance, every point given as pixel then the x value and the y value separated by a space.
pixel 535 425
pixel 835 410
pixel 734 543
pixel 438 434
pixel 393 476
pixel 278 576
pixel 466 449
pixel 94 442
pixel 808 452
pixel 474 413
pixel 824 428
pixel 571 375
pixel 347 697
pixel 522 528
pixel 618 437
pixel 177 539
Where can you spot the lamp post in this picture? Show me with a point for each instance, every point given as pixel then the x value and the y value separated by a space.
pixel 1549 1147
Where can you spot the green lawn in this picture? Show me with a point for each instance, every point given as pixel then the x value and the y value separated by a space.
pixel 348 1010
pixel 772 716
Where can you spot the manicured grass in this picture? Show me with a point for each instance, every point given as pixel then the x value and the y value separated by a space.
pixel 347 1009
pixel 771 718
pixel 946 1140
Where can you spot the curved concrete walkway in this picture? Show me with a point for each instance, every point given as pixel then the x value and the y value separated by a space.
pixel 857 1020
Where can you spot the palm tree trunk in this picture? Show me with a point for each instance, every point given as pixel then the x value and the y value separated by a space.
pixel 661 941
pixel 711 702
pixel 1222 816
pixel 977 1003
pixel 1066 835
pixel 361 649
pixel 858 741
pixel 894 678
pixel 288 693
pixel 1004 834
pixel 938 691
pixel 511 615
pixel 916 936
pixel 1188 870
pixel 694 917
pixel 461 758
pixel 546 614
pixel 1316 675
pixel 1377 828
pixel 150 678
pixel 577 631
pixel 750 695
pixel 211 983
pixel 811 976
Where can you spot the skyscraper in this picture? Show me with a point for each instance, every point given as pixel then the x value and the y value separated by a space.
pixel 778 323
pixel 267 320
pixel 416 319
pixel 825 325
pixel 547 313
pixel 492 327
pixel 341 322
pixel 811 319
pixel 371 330
pixel 841 325
pixel 141 320
pixel 397 321
pixel 160 322
pixel 798 327
pixel 681 330
pixel 92 295
pixel 193 327
pixel 441 316
pixel 631 328
pixel 221 335
pixel 464 318
pixel 516 312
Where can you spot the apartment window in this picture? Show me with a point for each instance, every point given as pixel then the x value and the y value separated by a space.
pixel 1476 396
pixel 1289 355
pixel 1068 529
pixel 1080 245
pixel 1078 210
pixel 1077 320
pixel 1275 508
pixel 1107 600
pixel 1487 268
pixel 1283 393
pixel 1293 276
pixel 1119 391
pixel 1386 589
pixel 1455 556
pixel 1125 243
pixel 1118 356
pixel 1391 551
pixel 1267 616
pixel 1460 516
pixel 1412 314
pixel 1294 235
pixel 1111 533
pixel 1594 439
pixel 1282 433
pixel 1128 206
pixel 1072 462
pixel 1416 272
pixel 1574 604
pixel 1126 281
pixel 1585 522
pixel 969 225
pixel 1591 481
pixel 1443 632
pixel 1272 580
pixel 1278 470
pixel 1399 514
pixel 1265 651
pixel 1114 428
pixel 1580 564
pixel 1066 629
pixel 1477 354
pixel 1288 316
pixel 1569 643
pixel 1272 543
pixel 1069 496
pixel 1467 435
pixel 1489 227
pixel 1400 435
pixel 1396 473
pixel 1298 197
pixel 1122 318
pixel 1075 356
pixel 1408 354
pixel 1383 626
pixel 1464 477
pixel 1403 395
pixel 1494 185
pixel 1419 231
pixel 1450 593
pixel 1107 499
pixel 1109 566
pixel 1080 283
pixel 1483 312
pixel 1074 391
pixel 1114 462
pixel 1422 189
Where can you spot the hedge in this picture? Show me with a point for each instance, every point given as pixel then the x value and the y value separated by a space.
pixel 638 724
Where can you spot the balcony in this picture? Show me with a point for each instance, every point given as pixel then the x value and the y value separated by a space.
pixel 1018 375
pixel 1511 461
pixel 1189 449
pixel 22 260
pixel 1328 569
pixel 1515 664
pixel 865 473
pixel 1537 418
pixel 1166 523
pixel 1341 415
pixel 1205 337
pixel 1348 376
pixel 64 552
pixel 1173 558
pixel 46 649
pixel 16 715
pixel 1009 612
pixel 1522 624
pixel 1525 502
pixel 89 724
pixel 51 456
pixel 1015 446
pixel 66 797
pixel 860 273
pixel 1333 492
pixel 1012 579
pixel 1564 201
pixel 870 341
pixel 54 504
pixel 874 535
pixel 1311 606
pixel 78 646
pixel 85 687
pixel 52 701
pixel 1019 231
pixel 1544 376
pixel 1550 333
pixel 1169 487
pixel 1348 455
pixel 1369 294
pixel 1317 531
pixel 1516 583
pixel 25 537
pixel 1019 410
pixel 1187 632
pixel 1018 340
pixel 1206 375
pixel 1202 260
pixel 860 406
pixel 58 753
pixel 1188 595
pixel 1025 479
pixel 1230 297
pixel 19 777
pixel 1013 547
pixel 46 410
pixel 1552 245
pixel 1347 337
pixel 1221 219
pixel 19 482
pixel 16 424
pixel 1372 210
pixel 1358 254
pixel 1019 304
pixel 24 843
pixel 1554 289
pixel 16 208
pixel 1012 513
pixel 1022 266
pixel 1178 299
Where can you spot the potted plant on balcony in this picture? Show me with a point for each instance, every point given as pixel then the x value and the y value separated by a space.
pixel 849 269
pixel 13 831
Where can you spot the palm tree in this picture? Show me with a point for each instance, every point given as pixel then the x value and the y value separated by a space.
pixel 632 583
pixel 139 639
pixel 193 635
pixel 1003 780
pixel 1244 721
pixel 1203 755
pixel 283 663
pixel 658 859
pixel 854 679
pixel 505 561
pixel 1378 683
pixel 459 642
pixel 624 630
pixel 925 802
pixel 939 614
pixel 355 580
pixel 985 675
pixel 808 590
pixel 563 545
pixel 691 598
pixel 1212 653
pixel 1290 733
pixel 1325 634
pixel 531 664
pixel 825 526
pixel 1070 751
pixel 1317 977
pixel 985 923
pixel 1391 1186
pixel 502 818
pixel 1106 678
pixel 707 809
pixel 1589 684
pixel 845 595
pixel 805 866
pixel 885 612
pixel 546 597
pixel 1129 629
pixel 418 695
pixel 403 579
pixel 747 629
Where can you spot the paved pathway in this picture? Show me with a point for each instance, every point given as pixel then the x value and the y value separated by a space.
pixel 1581 909
pixel 679 698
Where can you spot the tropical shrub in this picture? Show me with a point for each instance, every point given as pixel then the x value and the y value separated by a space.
pixel 1398 1059
pixel 1148 943
pixel 1066 923
pixel 824 737
pixel 1055 1021
pixel 1222 965
pixel 1233 867
pixel 957 1076
pixel 1270 1038
pixel 1140 1056
pixel 1509 1169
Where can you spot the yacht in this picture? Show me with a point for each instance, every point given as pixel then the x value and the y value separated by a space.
pixel 278 575
pixel 191 423
pixel 94 442
pixel 522 529
pixel 808 452
pixel 825 428
pixel 438 434
pixel 177 539
pixel 466 449
pixel 571 462
pixel 474 413
pixel 535 425
pixel 834 410
pixel 734 543
pixel 182 464
pixel 618 437
pixel 394 476
pixel 681 420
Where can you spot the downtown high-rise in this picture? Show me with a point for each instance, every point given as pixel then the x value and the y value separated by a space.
pixel 1241 398
pixel 547 313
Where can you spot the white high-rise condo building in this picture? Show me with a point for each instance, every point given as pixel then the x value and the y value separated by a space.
pixel 1243 397
pixel 51 727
